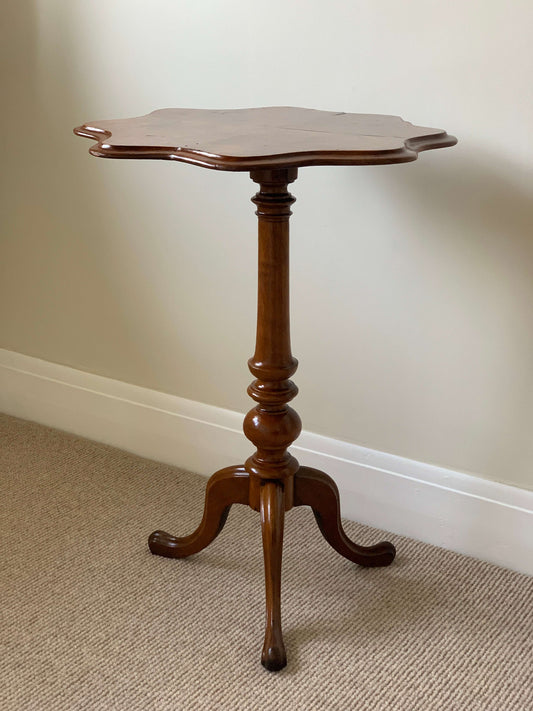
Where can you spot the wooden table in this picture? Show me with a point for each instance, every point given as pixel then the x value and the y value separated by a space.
pixel 271 143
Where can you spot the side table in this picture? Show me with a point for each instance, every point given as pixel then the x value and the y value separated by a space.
pixel 271 143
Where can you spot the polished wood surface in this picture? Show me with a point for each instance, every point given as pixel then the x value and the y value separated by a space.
pixel 272 143
pixel 270 137
pixel 272 509
pixel 272 425
pixel 227 487
pixel 272 481
pixel 318 490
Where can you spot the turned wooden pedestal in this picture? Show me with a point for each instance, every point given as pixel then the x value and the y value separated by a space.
pixel 271 143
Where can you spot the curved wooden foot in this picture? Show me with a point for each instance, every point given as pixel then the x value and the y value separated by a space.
pixel 318 490
pixel 272 509
pixel 228 486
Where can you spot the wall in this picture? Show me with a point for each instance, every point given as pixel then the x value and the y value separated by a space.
pixel 412 285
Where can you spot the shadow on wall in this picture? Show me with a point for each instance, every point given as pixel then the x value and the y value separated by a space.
pixel 473 192
pixel 59 220
pixel 482 209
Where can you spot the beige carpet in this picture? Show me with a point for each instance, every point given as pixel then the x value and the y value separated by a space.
pixel 90 619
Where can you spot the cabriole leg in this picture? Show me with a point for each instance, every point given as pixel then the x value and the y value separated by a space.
pixel 318 490
pixel 228 486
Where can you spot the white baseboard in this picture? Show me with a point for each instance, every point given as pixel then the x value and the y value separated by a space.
pixel 460 512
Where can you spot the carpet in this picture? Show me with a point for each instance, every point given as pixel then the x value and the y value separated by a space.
pixel 89 619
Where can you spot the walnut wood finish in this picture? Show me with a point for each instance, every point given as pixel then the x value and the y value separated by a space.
pixel 271 143
pixel 272 508
pixel 318 490
pixel 272 481
pixel 227 487
pixel 270 137
pixel 272 425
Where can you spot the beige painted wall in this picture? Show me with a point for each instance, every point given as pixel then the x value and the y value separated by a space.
pixel 412 285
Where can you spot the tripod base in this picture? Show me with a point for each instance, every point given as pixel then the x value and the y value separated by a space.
pixel 307 487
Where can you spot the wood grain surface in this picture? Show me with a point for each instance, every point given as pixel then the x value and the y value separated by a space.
pixel 271 137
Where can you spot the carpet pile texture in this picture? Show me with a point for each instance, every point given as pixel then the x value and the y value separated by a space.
pixel 89 619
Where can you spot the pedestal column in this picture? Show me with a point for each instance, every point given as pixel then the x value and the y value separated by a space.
pixel 272 426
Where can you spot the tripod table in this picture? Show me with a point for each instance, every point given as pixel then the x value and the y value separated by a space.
pixel 271 143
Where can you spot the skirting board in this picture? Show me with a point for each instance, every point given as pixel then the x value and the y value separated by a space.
pixel 460 512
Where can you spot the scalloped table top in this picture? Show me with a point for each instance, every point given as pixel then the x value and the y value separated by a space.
pixel 271 137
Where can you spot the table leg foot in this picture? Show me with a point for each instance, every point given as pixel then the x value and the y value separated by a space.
pixel 272 509
pixel 228 486
pixel 318 490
